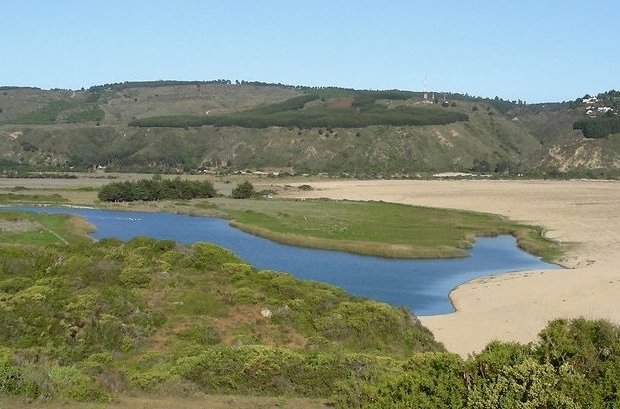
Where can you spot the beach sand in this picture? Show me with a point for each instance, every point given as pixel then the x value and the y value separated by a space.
pixel 582 215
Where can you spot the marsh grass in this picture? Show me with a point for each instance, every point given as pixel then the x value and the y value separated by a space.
pixel 16 198
pixel 42 229
pixel 376 228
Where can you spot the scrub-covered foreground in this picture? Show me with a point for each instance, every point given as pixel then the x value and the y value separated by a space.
pixel 91 321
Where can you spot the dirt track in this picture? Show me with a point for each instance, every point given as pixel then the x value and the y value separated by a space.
pixel 517 306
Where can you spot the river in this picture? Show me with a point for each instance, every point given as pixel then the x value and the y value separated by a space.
pixel 422 286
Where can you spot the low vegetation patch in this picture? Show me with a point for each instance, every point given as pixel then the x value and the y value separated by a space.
pixel 62 111
pixel 39 229
pixel 375 228
pixel 17 198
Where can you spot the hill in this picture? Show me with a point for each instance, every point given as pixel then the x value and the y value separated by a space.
pixel 219 126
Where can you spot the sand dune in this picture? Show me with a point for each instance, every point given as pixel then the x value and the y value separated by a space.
pixel 584 215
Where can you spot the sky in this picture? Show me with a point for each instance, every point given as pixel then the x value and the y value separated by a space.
pixel 537 51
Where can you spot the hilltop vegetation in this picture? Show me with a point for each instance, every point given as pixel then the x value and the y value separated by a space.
pixel 354 112
pixel 221 126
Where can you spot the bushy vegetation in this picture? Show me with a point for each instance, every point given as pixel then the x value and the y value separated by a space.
pixel 243 190
pixel 364 111
pixel 118 86
pixel 598 127
pixel 6 198
pixel 86 113
pixel 574 364
pixel 156 189
pixel 88 320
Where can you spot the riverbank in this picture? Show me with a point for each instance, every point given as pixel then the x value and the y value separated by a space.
pixel 379 229
pixel 360 227
pixel 515 307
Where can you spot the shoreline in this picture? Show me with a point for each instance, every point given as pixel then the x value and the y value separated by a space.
pixel 580 214
pixel 358 247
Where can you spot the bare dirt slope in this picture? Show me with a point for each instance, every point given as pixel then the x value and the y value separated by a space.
pixel 515 307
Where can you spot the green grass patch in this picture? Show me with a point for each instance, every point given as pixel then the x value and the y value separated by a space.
pixel 376 228
pixel 63 111
pixel 13 198
pixel 42 230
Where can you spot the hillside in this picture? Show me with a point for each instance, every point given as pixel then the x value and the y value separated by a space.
pixel 87 320
pixel 107 321
pixel 224 127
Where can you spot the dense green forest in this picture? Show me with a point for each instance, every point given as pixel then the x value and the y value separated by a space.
pixel 598 127
pixel 156 189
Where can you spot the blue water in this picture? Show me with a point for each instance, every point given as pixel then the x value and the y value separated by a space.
pixel 420 285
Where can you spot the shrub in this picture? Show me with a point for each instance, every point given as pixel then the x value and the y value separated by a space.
pixel 69 382
pixel 256 369
pixel 202 334
pixel 156 189
pixel 244 190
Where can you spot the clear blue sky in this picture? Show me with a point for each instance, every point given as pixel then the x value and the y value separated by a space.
pixel 544 50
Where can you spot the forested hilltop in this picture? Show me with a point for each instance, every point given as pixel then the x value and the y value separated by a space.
pixel 223 126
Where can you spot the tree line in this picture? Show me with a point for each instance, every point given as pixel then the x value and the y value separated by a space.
pixel 598 127
pixel 364 112
pixel 156 189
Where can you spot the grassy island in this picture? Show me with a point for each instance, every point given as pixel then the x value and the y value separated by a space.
pixel 373 228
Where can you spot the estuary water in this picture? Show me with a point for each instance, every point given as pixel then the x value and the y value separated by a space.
pixel 422 286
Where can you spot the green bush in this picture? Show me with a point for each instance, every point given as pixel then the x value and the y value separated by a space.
pixel 201 334
pixel 433 380
pixel 244 295
pixel 151 190
pixel 135 276
pixel 529 384
pixel 244 190
pixel 71 383
pixel 267 370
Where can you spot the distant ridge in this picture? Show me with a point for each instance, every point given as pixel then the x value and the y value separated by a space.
pixel 224 126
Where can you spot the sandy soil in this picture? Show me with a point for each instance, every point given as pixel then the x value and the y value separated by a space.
pixel 583 215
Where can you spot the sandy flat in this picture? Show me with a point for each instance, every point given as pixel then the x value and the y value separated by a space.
pixel 516 306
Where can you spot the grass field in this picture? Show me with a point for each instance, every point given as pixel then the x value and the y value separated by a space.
pixel 374 228
pixel 37 229
pixel 18 198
